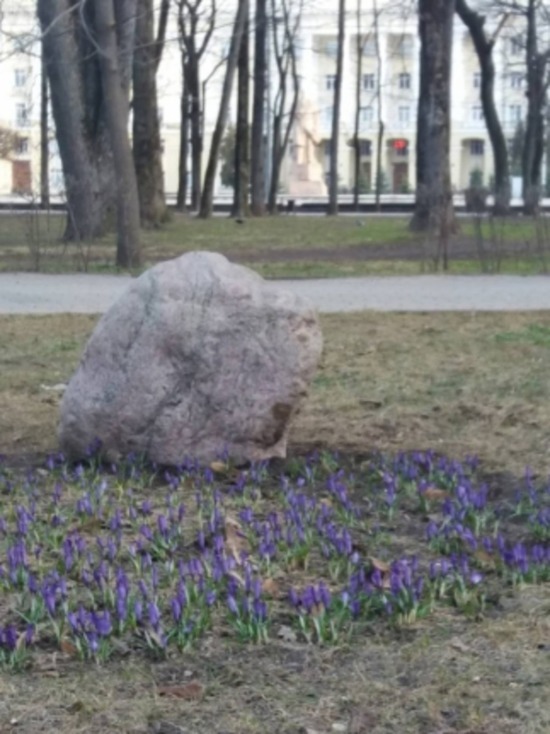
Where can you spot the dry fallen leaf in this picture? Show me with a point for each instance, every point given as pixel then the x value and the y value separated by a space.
pixel 235 541
pixel 271 587
pixel 68 648
pixel 189 692
pixel 287 634
pixel 457 644
pixel 218 467
pixel 434 494
pixel 486 559
pixel 382 566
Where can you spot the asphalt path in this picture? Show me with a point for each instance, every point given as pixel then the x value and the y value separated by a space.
pixel 36 293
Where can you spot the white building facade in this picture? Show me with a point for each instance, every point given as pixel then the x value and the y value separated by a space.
pixel 389 84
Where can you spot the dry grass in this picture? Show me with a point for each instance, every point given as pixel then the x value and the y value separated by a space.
pixel 459 383
pixel 446 675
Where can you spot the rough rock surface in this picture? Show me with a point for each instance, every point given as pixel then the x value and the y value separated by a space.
pixel 198 358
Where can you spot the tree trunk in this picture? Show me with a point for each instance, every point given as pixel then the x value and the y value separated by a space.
pixel 258 183
pixel 72 66
pixel 161 32
pixel 285 57
pixel 242 136
pixel 533 149
pixel 484 49
pixel 191 15
pixel 44 138
pixel 335 140
pixel 381 126
pixel 356 131
pixel 116 112
pixel 434 204
pixel 207 199
pixel 147 147
pixel 183 170
pixel 196 130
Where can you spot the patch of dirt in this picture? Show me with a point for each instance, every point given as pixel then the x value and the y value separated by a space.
pixel 414 250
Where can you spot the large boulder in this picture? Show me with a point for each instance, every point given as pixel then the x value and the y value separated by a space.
pixel 198 358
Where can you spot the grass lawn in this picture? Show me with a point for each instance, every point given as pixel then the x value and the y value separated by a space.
pixel 289 246
pixel 465 654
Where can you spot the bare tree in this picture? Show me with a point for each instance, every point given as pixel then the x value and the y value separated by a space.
pixel 207 198
pixel 72 66
pixel 44 136
pixel 484 46
pixel 335 139
pixel 116 113
pixel 284 45
pixel 537 88
pixel 196 25
pixel 160 41
pixel 359 47
pixel 381 129
pixel 258 183
pixel 181 202
pixel 434 204
pixel 147 147
pixel 242 141
pixel 531 19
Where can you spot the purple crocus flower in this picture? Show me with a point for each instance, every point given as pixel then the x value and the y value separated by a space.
pixel 154 615
pixel 324 595
pixel 29 634
pixel 175 607
pixel 163 527
pixel 146 507
pixel 259 608
pixel 102 623
pixel 9 638
pixel 138 610
pixel 93 642
pixel 232 605
pixel 49 598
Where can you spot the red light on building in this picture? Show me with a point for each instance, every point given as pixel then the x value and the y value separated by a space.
pixel 400 144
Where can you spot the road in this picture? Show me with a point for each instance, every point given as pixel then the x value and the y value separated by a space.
pixel 35 293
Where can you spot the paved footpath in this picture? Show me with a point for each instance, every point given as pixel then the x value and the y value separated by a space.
pixel 35 293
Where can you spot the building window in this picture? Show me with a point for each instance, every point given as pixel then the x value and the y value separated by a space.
pixel 404 81
pixel 20 78
pixel 22 146
pixel 404 115
pixel 516 46
pixel 330 81
pixel 401 46
pixel 369 46
pixel 365 148
pixel 330 48
pixel 367 115
pixel 327 116
pixel 21 115
pixel 477 147
pixel 368 81
pixel 477 113
pixel 516 80
pixel 477 80
pixel 514 112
